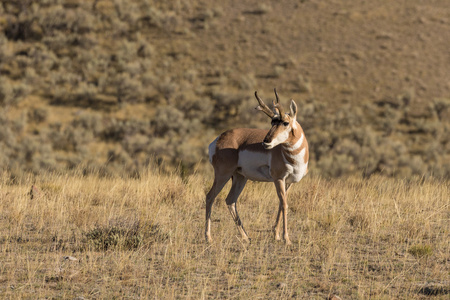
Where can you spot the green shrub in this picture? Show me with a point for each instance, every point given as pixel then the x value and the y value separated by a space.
pixel 169 121
pixel 419 251
pixel 128 89
pixel 6 94
pixel 123 234
pixel 37 114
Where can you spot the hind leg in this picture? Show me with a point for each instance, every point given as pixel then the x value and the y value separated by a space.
pixel 219 183
pixel 238 185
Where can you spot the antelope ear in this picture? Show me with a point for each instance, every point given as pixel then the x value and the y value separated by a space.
pixel 293 109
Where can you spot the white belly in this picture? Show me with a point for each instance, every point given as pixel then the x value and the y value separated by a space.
pixel 254 165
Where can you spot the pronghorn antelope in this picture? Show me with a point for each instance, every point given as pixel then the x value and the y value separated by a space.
pixel 279 156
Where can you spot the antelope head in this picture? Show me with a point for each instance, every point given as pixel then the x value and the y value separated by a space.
pixel 283 124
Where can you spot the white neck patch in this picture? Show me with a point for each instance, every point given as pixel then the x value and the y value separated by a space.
pixel 297 144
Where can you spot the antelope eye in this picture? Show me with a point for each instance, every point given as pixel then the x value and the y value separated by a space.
pixel 285 123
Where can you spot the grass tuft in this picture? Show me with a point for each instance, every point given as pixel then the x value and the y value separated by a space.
pixel 123 234
pixel 419 251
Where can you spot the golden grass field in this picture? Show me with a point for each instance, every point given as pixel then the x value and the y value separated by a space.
pixel 90 237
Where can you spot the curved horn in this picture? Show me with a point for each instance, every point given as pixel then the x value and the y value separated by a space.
pixel 278 105
pixel 276 95
pixel 263 107
pixel 281 110
pixel 275 108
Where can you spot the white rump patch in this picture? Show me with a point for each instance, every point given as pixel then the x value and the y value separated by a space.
pixel 212 149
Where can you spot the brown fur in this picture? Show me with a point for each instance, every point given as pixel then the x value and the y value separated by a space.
pixel 241 138
pixel 231 141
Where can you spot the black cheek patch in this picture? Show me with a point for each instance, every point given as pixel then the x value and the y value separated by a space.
pixel 275 121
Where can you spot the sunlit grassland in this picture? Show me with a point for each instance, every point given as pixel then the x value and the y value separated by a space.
pixel 94 237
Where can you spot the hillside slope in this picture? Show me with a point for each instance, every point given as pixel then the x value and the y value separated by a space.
pixel 116 84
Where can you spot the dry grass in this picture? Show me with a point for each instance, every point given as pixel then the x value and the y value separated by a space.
pixel 95 237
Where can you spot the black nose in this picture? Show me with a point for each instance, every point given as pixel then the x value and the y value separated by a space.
pixel 266 140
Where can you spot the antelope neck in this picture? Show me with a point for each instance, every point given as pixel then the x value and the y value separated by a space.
pixel 292 149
